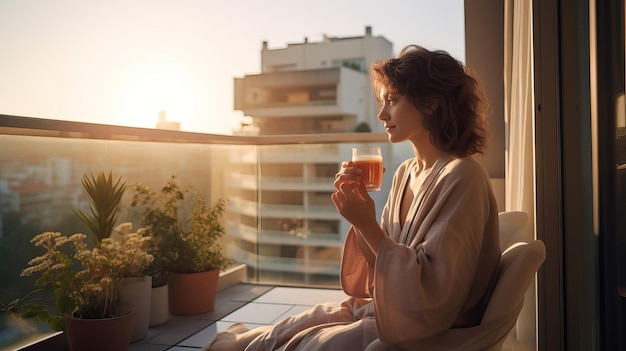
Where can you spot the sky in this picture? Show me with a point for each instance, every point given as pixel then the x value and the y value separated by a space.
pixel 120 62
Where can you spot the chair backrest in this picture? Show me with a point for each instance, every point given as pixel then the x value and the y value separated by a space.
pixel 516 271
pixel 512 224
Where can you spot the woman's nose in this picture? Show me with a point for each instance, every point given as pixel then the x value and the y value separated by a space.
pixel 383 115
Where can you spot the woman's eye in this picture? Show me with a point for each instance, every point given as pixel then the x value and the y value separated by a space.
pixel 388 99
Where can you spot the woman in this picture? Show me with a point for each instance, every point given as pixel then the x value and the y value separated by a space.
pixel 430 264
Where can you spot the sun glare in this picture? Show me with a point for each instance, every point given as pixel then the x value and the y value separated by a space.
pixel 144 89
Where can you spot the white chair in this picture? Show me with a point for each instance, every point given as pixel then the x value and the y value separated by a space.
pixel 516 271
pixel 512 230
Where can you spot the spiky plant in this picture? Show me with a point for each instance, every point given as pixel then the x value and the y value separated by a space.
pixel 104 201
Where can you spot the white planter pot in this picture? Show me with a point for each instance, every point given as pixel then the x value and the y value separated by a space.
pixel 159 306
pixel 136 291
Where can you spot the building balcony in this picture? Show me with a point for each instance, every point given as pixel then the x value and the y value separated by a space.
pixel 250 182
pixel 325 92
pixel 254 208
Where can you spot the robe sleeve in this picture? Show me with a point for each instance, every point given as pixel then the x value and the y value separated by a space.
pixel 420 289
pixel 355 270
pixel 356 273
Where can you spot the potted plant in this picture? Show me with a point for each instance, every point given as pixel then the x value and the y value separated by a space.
pixel 105 195
pixel 84 283
pixel 185 246
pixel 161 216
pixel 136 285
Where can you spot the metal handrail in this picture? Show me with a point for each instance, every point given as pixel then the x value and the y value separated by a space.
pixel 30 126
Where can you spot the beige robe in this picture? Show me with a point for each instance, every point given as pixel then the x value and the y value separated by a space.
pixel 432 274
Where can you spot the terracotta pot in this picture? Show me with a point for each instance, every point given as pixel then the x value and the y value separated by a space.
pixel 192 293
pixel 102 334
pixel 159 306
pixel 136 292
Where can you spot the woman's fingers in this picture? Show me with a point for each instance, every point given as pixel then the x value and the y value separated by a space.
pixel 336 201
pixel 363 191
pixel 352 201
pixel 351 198
pixel 347 174
pixel 346 164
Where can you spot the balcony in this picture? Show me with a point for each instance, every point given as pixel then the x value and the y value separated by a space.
pixel 321 92
pixel 276 186
pixel 280 221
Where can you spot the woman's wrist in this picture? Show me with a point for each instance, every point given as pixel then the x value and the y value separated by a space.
pixel 372 236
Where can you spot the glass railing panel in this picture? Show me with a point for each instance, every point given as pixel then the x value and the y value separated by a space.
pixel 298 227
pixel 40 188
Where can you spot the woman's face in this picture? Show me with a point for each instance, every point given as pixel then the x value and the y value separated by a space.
pixel 402 120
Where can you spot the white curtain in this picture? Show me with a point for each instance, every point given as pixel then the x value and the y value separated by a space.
pixel 519 156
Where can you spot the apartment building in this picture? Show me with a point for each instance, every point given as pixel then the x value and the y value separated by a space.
pixel 285 227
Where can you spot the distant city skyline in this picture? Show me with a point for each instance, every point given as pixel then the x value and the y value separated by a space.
pixel 122 62
pixel 40 178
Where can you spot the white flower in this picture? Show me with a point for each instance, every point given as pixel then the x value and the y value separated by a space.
pixel 124 228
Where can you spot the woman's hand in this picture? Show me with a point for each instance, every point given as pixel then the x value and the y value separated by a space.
pixel 351 199
pixel 355 205
pixel 348 173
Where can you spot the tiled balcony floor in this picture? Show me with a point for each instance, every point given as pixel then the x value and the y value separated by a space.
pixel 252 305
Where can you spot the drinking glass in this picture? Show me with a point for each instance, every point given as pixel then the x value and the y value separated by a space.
pixel 370 160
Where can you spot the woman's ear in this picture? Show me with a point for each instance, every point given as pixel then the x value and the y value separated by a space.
pixel 431 105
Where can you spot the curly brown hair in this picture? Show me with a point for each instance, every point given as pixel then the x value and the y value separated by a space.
pixel 442 89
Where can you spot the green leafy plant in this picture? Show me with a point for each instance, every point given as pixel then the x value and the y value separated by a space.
pixel 363 127
pixel 105 196
pixel 181 244
pixel 84 282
